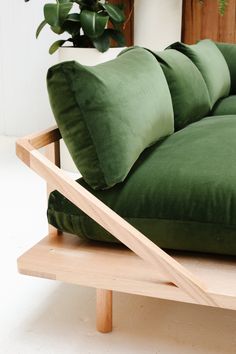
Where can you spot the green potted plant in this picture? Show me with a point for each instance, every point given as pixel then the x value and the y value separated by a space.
pixel 85 23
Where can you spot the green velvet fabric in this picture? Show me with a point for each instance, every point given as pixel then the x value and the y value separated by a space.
pixel 212 65
pixel 225 106
pixel 181 193
pixel 108 114
pixel 229 52
pixel 188 89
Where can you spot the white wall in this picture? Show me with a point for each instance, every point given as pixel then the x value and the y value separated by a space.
pixel 1 83
pixel 157 23
pixel 24 62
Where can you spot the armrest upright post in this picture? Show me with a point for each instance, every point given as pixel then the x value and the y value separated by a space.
pixel 52 152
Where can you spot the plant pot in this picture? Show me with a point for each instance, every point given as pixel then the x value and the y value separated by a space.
pixel 85 56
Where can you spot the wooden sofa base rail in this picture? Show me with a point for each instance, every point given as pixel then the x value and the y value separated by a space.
pixel 137 266
pixel 69 259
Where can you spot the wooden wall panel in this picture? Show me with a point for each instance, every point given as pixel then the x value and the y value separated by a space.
pixel 204 21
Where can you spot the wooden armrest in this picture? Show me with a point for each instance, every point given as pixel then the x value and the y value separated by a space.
pixel 106 217
pixel 36 141
pixel 45 138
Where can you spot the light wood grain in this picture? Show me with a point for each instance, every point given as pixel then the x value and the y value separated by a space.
pixel 204 21
pixel 52 153
pixel 45 137
pixel 114 267
pixel 111 221
pixel 104 310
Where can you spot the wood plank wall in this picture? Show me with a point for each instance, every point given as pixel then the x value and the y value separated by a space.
pixel 129 25
pixel 203 21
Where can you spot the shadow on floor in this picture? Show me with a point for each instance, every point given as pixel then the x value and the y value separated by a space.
pixel 147 324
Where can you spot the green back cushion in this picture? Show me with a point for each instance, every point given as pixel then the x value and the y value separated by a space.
pixel 108 114
pixel 212 65
pixel 225 106
pixel 188 89
pixel 229 53
pixel 181 193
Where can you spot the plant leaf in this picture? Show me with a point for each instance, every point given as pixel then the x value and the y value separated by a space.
pixel 116 25
pixel 55 14
pixel 40 27
pixel 51 14
pixel 87 4
pixel 64 9
pixel 102 43
pixel 117 36
pixel 222 6
pixel 72 27
pixel 73 17
pixel 93 23
pixel 57 29
pixel 56 45
pixel 114 12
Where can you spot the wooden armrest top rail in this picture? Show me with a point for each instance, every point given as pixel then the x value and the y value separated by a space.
pixel 44 138
pixel 106 217
pixel 48 136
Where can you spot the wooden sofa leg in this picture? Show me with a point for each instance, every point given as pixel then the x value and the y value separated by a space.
pixel 104 310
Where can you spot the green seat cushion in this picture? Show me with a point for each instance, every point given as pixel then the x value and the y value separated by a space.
pixel 188 89
pixel 225 106
pixel 108 114
pixel 212 65
pixel 181 193
pixel 229 52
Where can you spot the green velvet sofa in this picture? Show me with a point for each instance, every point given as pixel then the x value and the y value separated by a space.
pixel 153 135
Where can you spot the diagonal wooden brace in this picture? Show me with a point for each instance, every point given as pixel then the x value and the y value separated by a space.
pixel 26 149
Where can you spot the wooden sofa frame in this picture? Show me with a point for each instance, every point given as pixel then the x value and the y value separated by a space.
pixel 139 268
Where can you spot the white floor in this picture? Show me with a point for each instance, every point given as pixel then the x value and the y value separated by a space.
pixel 42 316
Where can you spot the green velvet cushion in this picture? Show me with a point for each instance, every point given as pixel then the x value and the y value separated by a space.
pixel 188 89
pixel 225 106
pixel 108 114
pixel 229 52
pixel 212 65
pixel 181 193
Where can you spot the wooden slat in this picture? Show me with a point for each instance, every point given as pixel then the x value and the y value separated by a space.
pixel 69 259
pixel 113 223
pixel 204 21
pixel 227 24
pixel 191 21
